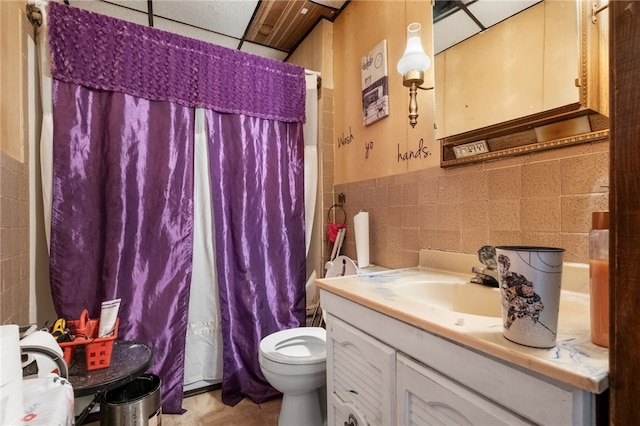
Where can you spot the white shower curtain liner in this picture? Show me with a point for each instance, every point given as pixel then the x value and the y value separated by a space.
pixel 46 135
pixel 310 131
pixel 203 354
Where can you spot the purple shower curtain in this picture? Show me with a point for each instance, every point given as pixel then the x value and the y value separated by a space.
pixel 257 170
pixel 122 218
pixel 123 182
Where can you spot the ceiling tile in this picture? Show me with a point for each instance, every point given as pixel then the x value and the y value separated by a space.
pixel 140 5
pixel 264 51
pixel 197 33
pixel 112 10
pixel 222 16
pixel 270 28
pixel 452 30
pixel 490 12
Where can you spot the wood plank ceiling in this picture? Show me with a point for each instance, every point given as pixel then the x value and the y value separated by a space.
pixel 283 25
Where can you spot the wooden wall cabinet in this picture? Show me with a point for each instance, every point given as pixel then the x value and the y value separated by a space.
pixel 545 65
pixel 495 76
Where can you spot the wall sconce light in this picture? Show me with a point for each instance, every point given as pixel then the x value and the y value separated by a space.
pixel 412 65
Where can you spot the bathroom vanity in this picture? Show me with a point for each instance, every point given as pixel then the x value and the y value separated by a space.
pixel 400 352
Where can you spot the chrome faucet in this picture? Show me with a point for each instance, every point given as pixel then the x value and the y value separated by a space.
pixel 489 274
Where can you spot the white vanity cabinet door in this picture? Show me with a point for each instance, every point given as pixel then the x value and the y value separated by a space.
pixel 360 374
pixel 342 413
pixel 425 397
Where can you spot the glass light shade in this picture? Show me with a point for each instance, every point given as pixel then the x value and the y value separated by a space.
pixel 414 58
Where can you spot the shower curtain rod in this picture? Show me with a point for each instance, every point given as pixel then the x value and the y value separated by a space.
pixel 317 74
pixel 34 13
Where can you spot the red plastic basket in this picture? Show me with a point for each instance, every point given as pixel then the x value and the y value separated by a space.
pixel 97 350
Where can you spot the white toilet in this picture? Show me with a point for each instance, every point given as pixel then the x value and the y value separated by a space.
pixel 294 361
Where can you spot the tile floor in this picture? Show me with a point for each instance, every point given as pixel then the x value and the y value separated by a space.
pixel 208 409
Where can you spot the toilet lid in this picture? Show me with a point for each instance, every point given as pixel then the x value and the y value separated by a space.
pixel 302 345
pixel 341 266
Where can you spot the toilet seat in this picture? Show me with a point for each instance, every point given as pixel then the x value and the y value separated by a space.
pixel 302 345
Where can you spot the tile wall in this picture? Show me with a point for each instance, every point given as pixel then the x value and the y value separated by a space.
pixel 543 198
pixel 327 167
pixel 14 165
pixel 14 241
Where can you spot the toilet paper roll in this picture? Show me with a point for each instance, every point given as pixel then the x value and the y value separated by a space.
pixel 10 375
pixel 43 339
pixel 361 231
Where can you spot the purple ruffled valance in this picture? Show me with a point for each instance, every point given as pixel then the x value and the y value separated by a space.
pixel 105 53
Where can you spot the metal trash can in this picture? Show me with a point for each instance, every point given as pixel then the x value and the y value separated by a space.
pixel 136 403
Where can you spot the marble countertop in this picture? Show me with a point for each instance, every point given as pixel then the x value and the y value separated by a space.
pixel 574 360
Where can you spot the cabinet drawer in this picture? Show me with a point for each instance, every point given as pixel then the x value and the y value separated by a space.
pixel 360 372
pixel 426 397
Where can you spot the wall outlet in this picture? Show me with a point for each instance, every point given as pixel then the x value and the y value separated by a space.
pixel 470 149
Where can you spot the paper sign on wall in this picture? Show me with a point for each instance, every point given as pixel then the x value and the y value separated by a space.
pixel 375 84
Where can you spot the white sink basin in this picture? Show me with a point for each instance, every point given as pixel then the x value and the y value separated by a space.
pixel 467 298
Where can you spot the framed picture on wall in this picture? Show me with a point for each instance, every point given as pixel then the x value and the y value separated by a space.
pixel 375 84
